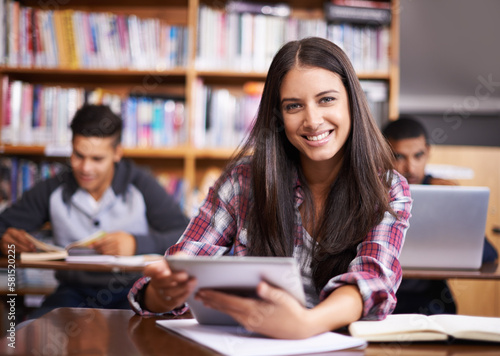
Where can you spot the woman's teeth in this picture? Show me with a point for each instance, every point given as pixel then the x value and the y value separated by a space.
pixel 319 137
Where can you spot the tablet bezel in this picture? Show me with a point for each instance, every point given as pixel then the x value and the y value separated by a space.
pixel 234 272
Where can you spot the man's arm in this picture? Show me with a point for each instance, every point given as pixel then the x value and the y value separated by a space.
pixel 166 220
pixel 27 214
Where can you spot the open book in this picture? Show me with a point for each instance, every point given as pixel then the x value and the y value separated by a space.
pixel 47 252
pixel 419 327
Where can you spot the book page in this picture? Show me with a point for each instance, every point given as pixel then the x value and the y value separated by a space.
pixel 42 246
pixel 43 256
pixel 136 260
pixel 235 340
pixel 470 327
pixel 399 327
pixel 87 241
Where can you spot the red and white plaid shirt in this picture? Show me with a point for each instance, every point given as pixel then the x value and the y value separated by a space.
pixel 375 269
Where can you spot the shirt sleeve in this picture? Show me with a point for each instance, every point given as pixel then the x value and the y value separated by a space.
pixel 32 210
pixel 211 232
pixel 136 300
pixel 376 269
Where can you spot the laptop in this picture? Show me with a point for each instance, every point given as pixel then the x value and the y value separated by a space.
pixel 447 227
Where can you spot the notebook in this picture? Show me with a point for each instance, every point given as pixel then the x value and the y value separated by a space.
pixel 447 227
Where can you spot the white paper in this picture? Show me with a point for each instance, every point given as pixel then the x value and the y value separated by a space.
pixel 137 260
pixel 235 340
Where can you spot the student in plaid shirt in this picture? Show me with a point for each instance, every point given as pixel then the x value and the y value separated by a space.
pixel 315 181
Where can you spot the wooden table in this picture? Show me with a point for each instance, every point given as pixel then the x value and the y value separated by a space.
pixel 63 265
pixel 488 271
pixel 77 331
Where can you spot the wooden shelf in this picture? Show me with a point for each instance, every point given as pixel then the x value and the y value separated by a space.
pixel 136 152
pixel 84 71
pixel 22 150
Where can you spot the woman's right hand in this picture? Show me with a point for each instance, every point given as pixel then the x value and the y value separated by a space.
pixel 166 290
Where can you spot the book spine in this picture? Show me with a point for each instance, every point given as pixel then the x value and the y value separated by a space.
pixel 272 9
pixel 361 15
pixel 13 34
pixel 363 3
pixel 3 30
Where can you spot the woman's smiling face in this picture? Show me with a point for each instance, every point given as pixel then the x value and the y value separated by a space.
pixel 316 116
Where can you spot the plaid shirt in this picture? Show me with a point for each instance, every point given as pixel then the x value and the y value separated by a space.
pixel 375 269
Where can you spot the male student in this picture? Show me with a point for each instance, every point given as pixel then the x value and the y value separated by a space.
pixel 101 191
pixel 410 144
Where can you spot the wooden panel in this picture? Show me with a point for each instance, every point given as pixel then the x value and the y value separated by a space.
pixel 477 297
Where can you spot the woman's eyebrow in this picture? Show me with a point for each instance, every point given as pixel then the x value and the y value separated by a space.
pixel 319 94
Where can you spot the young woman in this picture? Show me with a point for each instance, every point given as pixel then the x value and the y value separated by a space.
pixel 314 181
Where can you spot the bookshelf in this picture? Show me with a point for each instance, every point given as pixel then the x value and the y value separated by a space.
pixel 187 159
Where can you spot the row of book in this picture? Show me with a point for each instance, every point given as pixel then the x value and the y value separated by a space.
pixel 18 175
pixel 248 42
pixel 243 36
pixel 35 37
pixel 153 121
pixel 224 116
pixel 35 114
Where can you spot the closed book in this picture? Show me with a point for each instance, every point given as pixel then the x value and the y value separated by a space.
pixel 419 327
pixel 361 15
pixel 363 3
pixel 273 9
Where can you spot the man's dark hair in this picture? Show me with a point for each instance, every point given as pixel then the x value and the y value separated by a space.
pixel 403 128
pixel 97 121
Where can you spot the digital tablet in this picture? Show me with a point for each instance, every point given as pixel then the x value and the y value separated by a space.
pixel 236 275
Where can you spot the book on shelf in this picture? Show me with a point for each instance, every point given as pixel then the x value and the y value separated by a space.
pixel 262 8
pixel 419 327
pixel 247 41
pixel 356 14
pixel 363 3
pixel 46 252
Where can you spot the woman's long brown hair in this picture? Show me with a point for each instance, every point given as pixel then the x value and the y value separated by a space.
pixel 358 199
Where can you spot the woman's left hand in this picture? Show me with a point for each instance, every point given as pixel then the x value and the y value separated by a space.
pixel 277 314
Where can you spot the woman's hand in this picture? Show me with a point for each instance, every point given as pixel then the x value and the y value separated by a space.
pixel 166 290
pixel 277 314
